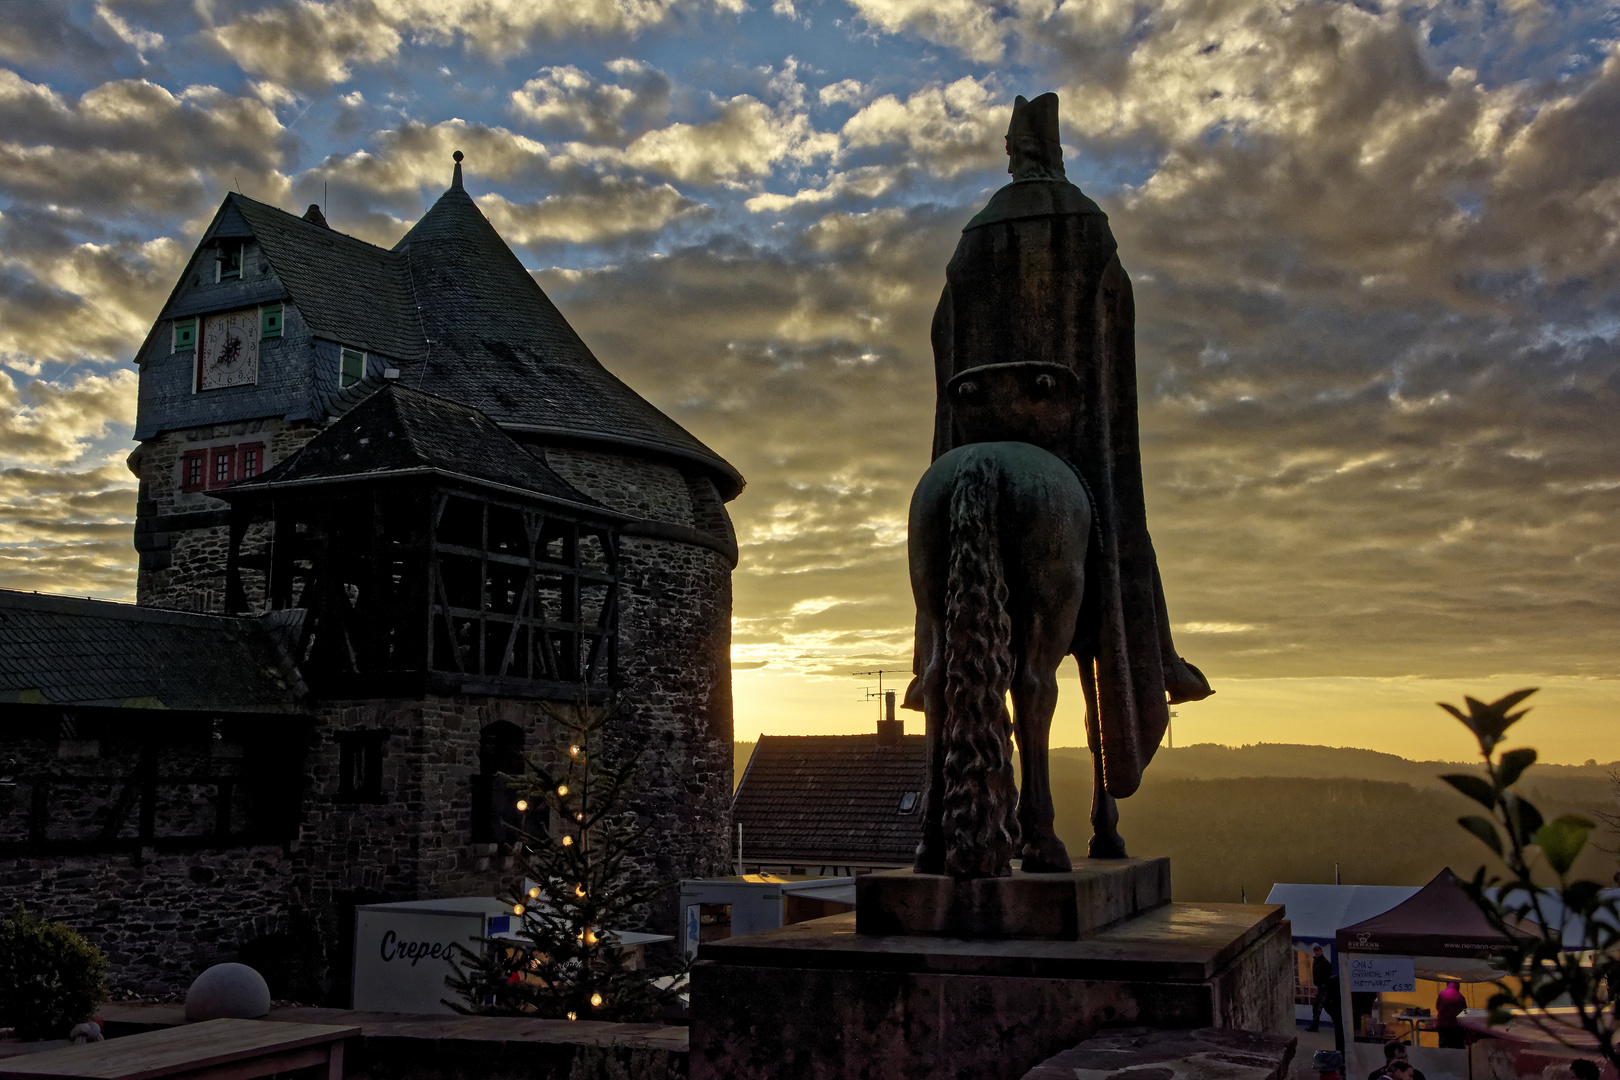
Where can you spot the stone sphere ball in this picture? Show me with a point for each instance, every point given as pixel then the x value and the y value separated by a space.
pixel 228 992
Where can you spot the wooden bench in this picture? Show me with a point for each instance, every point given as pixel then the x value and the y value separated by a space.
pixel 211 1050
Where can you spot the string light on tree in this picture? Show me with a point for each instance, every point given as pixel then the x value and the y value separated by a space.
pixel 522 805
pixel 565 960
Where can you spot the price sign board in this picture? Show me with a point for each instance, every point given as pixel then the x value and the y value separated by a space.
pixel 1380 973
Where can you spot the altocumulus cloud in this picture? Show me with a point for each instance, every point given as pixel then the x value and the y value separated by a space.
pixel 1374 254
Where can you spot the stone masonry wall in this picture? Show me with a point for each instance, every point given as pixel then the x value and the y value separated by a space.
pixel 182 536
pixel 675 672
pixel 647 489
pixel 160 919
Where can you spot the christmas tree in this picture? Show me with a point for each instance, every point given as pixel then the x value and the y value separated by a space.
pixel 574 883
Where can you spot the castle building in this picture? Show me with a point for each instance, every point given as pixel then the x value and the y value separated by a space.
pixel 416 517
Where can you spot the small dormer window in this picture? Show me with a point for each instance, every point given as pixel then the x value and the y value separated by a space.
pixel 351 367
pixel 230 262
pixel 185 335
pixel 270 321
pixel 909 801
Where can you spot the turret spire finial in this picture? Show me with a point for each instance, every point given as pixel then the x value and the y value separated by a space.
pixel 455 181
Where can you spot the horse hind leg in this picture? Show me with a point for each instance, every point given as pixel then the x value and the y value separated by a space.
pixel 1106 843
pixel 1049 629
pixel 1034 696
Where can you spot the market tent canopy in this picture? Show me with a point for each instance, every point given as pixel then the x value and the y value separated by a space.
pixel 1439 920
pixel 1318 911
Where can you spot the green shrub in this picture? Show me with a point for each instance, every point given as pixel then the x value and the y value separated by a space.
pixel 50 977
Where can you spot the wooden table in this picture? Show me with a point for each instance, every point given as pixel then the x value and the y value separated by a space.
pixel 211 1050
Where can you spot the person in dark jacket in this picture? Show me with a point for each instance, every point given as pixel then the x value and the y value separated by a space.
pixel 1321 977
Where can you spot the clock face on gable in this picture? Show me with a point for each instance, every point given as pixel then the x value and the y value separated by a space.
pixel 230 350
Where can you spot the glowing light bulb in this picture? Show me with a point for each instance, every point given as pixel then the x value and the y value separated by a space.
pixel 517 909
pixel 573 1016
pixel 573 751
pixel 596 1000
pixel 562 789
pixel 590 937
pixel 522 805
pixel 534 893
pixel 579 890
pixel 579 816
pixel 568 841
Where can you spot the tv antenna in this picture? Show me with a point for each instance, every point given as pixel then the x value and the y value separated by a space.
pixel 877 694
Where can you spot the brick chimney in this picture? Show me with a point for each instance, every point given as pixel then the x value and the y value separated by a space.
pixel 890 730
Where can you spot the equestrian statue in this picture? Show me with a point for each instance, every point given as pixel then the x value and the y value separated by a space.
pixel 1028 534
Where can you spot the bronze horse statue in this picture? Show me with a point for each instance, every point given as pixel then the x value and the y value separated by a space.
pixel 999 531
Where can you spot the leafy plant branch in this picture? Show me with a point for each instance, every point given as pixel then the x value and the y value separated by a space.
pixel 1540 969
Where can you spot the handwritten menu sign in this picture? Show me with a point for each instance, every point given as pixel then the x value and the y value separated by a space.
pixel 1381 973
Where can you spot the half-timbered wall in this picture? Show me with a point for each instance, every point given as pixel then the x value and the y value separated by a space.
pixel 466 592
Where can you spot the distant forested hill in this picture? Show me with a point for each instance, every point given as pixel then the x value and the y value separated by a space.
pixel 1236 820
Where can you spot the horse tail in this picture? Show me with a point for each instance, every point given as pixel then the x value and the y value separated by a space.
pixel 980 799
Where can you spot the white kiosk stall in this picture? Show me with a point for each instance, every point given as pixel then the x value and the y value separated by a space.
pixel 402 950
pixel 1315 915
pixel 713 908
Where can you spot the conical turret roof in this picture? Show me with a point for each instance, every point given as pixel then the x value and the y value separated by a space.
pixel 495 341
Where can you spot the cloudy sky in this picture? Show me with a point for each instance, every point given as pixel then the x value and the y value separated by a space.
pixel 1376 252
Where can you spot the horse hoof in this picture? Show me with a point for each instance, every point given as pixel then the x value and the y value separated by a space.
pixel 1106 847
pixel 1048 857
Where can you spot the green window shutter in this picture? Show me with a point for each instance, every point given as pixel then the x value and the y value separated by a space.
pixel 185 334
pixel 352 367
pixel 270 321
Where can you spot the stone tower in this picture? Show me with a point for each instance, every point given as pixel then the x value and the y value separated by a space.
pixel 456 519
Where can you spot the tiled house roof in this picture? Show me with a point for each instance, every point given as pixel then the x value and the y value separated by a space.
pixel 832 799
pixel 58 650
pixel 399 430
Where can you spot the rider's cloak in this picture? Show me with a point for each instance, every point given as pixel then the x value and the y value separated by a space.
pixel 1036 277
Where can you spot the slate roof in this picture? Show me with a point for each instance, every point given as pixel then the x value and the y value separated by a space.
pixel 64 651
pixel 831 799
pixel 463 319
pixel 347 290
pixel 497 342
pixel 399 430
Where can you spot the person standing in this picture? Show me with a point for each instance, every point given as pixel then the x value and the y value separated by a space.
pixel 1321 978
pixel 1447 1007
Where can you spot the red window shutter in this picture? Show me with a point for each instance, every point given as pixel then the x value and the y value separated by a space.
pixel 223 472
pixel 193 470
pixel 249 460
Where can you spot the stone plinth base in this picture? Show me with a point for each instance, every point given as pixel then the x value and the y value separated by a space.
pixel 817 1000
pixel 1096 893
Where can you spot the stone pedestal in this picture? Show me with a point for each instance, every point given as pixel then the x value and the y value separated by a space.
pixel 1097 893
pixel 826 1000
